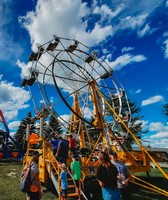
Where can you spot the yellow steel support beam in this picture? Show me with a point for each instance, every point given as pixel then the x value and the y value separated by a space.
pixel 134 137
pixel 149 186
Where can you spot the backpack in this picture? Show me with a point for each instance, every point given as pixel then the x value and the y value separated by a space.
pixel 25 181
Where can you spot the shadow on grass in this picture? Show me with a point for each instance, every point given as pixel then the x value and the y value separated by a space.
pixel 140 193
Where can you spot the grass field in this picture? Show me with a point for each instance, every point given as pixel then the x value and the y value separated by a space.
pixel 9 183
pixel 10 176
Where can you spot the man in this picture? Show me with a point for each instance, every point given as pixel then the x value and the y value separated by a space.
pixel 35 189
pixel 33 139
pixel 72 144
pixel 123 178
pixel 62 151
pixel 54 143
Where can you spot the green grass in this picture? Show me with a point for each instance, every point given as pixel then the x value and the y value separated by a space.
pixel 9 183
pixel 10 178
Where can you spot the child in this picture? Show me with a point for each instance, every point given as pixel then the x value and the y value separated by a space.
pixel 64 183
pixel 76 172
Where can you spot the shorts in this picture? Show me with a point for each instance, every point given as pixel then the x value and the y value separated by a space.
pixel 111 194
pixel 33 195
pixel 63 192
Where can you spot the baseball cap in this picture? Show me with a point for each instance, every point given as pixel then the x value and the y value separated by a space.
pixel 74 156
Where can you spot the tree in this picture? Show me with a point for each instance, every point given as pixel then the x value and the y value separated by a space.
pixel 54 127
pixel 165 110
pixel 129 114
pixel 20 135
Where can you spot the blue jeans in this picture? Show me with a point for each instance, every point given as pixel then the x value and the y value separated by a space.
pixel 111 194
pixel 33 195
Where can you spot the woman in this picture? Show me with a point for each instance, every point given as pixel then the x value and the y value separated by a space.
pixel 35 189
pixel 107 178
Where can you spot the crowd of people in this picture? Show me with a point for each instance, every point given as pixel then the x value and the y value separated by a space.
pixel 112 175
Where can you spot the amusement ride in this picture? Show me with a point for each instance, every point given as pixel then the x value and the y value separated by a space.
pixel 9 147
pixel 80 89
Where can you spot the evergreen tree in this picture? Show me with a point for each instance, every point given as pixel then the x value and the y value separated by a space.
pixel 20 134
pixel 54 127
pixel 165 110
pixel 129 112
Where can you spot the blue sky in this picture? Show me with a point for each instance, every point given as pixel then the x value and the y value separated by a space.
pixel 133 37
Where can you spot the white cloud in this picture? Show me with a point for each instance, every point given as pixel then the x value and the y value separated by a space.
pixel 24 68
pixel 143 31
pixel 152 100
pixel 157 135
pixel 126 49
pixel 165 34
pixel 67 22
pixel 166 3
pixel 14 125
pixel 138 91
pixel 63 119
pixel 134 22
pixel 106 11
pixel 160 135
pixel 146 30
pixel 145 124
pixel 158 142
pixel 166 48
pixel 157 126
pixel 8 45
pixel 12 99
pixel 124 60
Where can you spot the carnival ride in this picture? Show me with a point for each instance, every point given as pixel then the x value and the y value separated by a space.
pixel 73 81
pixel 9 148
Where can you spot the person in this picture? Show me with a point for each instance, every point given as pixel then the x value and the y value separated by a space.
pixel 54 143
pixel 35 188
pixel 72 144
pixel 76 172
pixel 64 183
pixel 107 177
pixel 62 151
pixel 33 139
pixel 123 178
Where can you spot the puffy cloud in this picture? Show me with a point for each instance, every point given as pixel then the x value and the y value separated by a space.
pixel 14 125
pixel 12 99
pixel 67 20
pixel 124 60
pixel 157 135
pixel 160 135
pixel 24 68
pixel 152 100
pixel 157 126
pixel 158 142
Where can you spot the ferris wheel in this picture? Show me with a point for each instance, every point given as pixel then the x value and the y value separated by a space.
pixel 66 69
